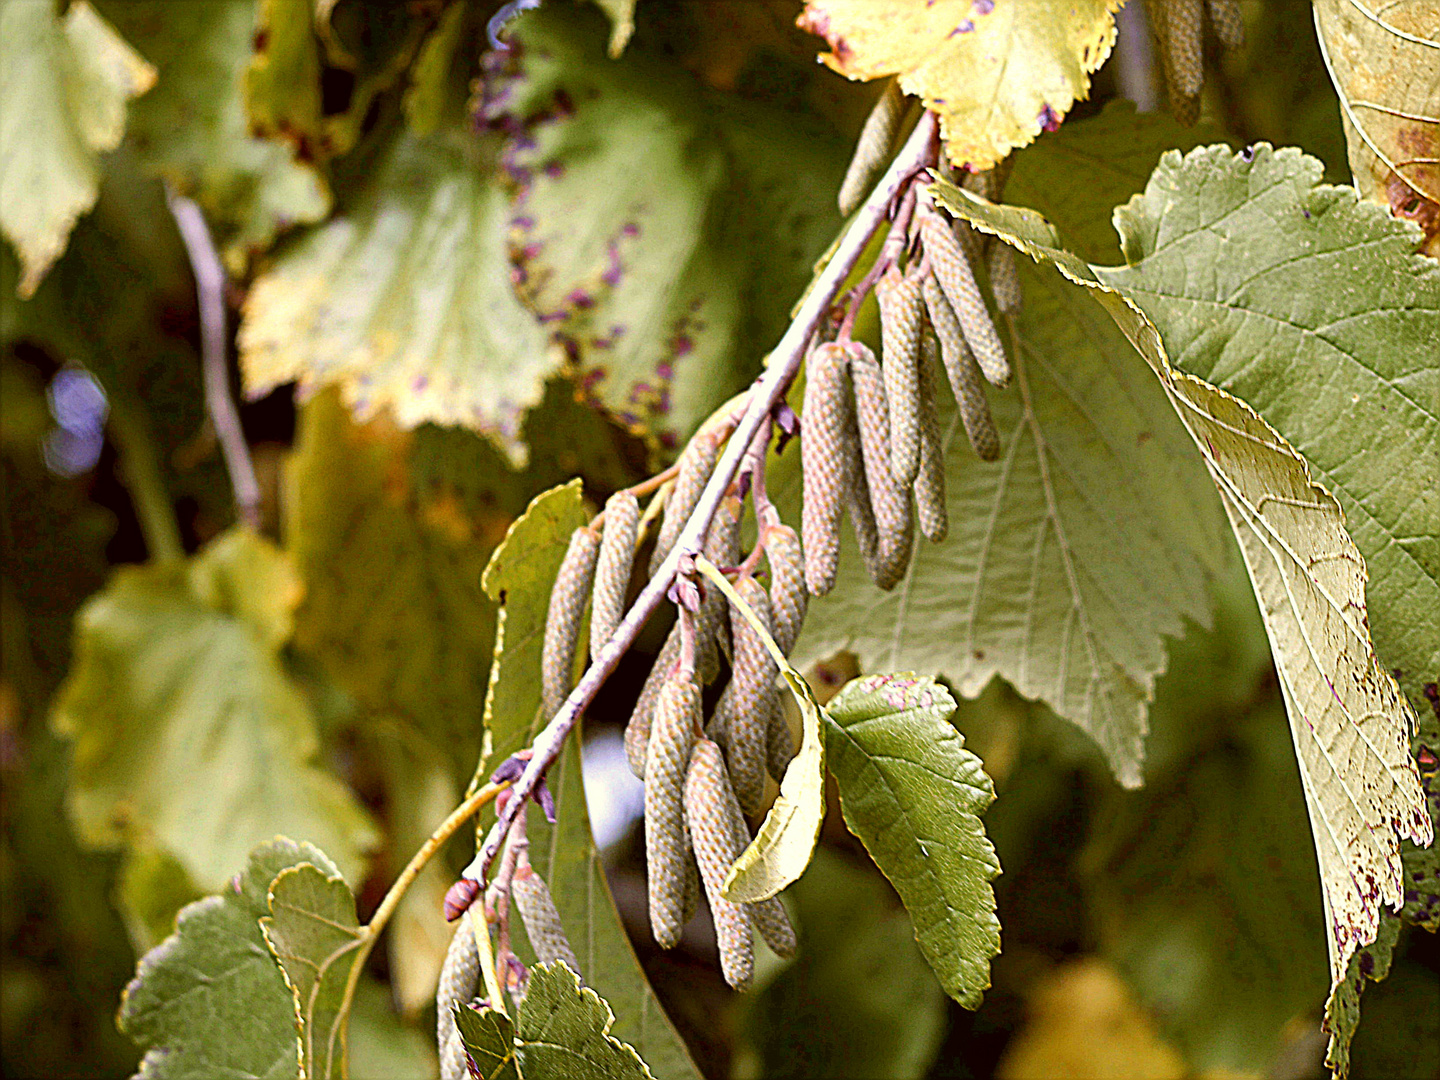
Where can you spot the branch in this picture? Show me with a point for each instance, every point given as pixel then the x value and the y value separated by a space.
pixel 765 394
pixel 210 287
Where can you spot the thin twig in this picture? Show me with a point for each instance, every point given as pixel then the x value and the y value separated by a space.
pixel 210 288
pixel 918 152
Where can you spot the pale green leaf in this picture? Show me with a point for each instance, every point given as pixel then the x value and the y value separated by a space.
pixel 382 1047
pixel 489 1038
pixel 996 75
pixel 428 95
pixel 282 81
pixel 622 23
pixel 188 733
pixel 151 889
pixel 64 84
pixel 913 794
pixel 211 1000
pixel 563 1032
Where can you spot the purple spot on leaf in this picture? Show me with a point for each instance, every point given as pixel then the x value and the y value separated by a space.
pixel 1049 118
pixel 983 7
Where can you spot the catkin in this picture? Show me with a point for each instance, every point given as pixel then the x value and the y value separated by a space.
pixel 743 711
pixel 930 511
pixel 692 881
pixel 562 623
pixel 767 916
pixel 779 743
pixel 889 500
pixel 957 280
pixel 1229 26
pixel 722 547
pixel 677 714
pixel 612 568
pixel 824 459
pixel 1178 24
pixel 872 151
pixel 542 920
pixel 963 374
pixel 707 799
pixel 1004 277
pixel 459 979
pixel 637 731
pixel 902 318
pixel 788 596
pixel 697 462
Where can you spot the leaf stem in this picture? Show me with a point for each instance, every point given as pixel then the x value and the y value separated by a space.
pixel 140 470
pixel 767 391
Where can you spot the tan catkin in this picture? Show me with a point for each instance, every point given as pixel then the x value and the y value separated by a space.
pixel 743 711
pixel 637 731
pixel 768 916
pixel 722 547
pixel 930 510
pixel 902 318
pixel 1004 277
pixel 779 742
pixel 789 599
pixel 707 812
pixel 957 280
pixel 889 501
pixel 672 733
pixel 697 462
pixel 964 375
pixel 568 597
pixel 872 149
pixel 1229 26
pixel 1178 25
pixel 612 568
pixel 824 464
pixel 459 979
pixel 542 920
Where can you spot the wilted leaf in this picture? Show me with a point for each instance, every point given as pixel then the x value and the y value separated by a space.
pixel 211 1000
pixel 913 794
pixel 193 128
pixel 1382 62
pixel 489 1038
pixel 188 733
pixel 997 74
pixel 563 1032
pixel 64 85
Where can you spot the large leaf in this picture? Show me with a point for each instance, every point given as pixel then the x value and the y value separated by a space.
pixel 188 733
pixel 1382 59
pixel 996 74
pixel 194 131
pixel 211 1000
pixel 64 84
pixel 1350 723
pixel 913 794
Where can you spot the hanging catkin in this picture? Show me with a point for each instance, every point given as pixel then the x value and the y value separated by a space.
pixel 707 798
pixel 459 979
pixel 696 464
pixel 779 743
pixel 612 568
pixel 562 623
pixel 963 374
pixel 889 501
pixel 542 920
pixel 902 317
pixel 1004 277
pixel 768 916
pixel 637 731
pixel 712 632
pixel 930 511
pixel 743 711
pixel 872 151
pixel 1229 26
pixel 672 732
pixel 957 280
pixel 824 461
pixel 788 596
pixel 1177 26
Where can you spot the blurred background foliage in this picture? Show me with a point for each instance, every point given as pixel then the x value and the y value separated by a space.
pixel 1173 931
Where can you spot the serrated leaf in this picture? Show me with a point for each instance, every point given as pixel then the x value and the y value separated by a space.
pixel 193 130
pixel 562 1032
pixel 913 794
pixel 311 929
pixel 997 74
pixel 64 84
pixel 211 1000
pixel 489 1038
pixel 1350 723
pixel 188 733
pixel 1382 62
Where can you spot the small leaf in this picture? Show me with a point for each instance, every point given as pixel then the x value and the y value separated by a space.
pixel 913 795
pixel 997 74
pixel 563 1032
pixel 63 93
pixel 489 1038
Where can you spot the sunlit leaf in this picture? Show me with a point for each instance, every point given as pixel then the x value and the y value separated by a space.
pixel 563 1032
pixel 489 1038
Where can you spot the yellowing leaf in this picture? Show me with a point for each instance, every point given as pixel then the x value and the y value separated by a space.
pixel 64 82
pixel 996 73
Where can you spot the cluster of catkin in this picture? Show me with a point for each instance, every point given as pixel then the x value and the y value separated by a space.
pixel 1178 27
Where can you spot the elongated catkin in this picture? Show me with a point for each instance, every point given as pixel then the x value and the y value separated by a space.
pixel 963 374
pixel 824 460
pixel 712 630
pixel 1004 277
pixel 562 623
pixel 707 798
pixel 872 150
pixel 889 501
pixel 612 568
pixel 672 733
pixel 743 711
pixel 542 920
pixel 769 917
pixel 902 317
pixel 697 462
pixel 1229 26
pixel 779 743
pixel 637 731
pixel 1177 25
pixel 459 978
pixel 957 280
pixel 789 599
pixel 930 510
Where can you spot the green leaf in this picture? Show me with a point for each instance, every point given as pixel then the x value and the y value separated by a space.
pixel 312 930
pixel 187 731
pixel 64 84
pixel 211 1000
pixel 381 1046
pixel 563 1032
pixel 193 129
pixel 489 1038
pixel 859 999
pixel 428 95
pixel 913 795
pixel 282 81
pixel 151 890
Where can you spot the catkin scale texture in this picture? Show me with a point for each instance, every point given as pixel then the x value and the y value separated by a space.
pixel 459 978
pixel 789 599
pixel 779 742
pixel 872 150
pixel 672 733
pixel 722 547
pixel 957 281
pixel 696 464
pixel 963 374
pixel 769 916
pixel 707 813
pixel 568 597
pixel 1004 277
pixel 743 712
pixel 889 500
pixel 1177 25
pixel 823 464
pixel 901 321
pixel 542 920
pixel 1229 26
pixel 612 568
pixel 637 731
pixel 930 509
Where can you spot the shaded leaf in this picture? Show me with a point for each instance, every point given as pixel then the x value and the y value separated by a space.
pixel 622 23
pixel 563 1032
pixel 489 1038
pixel 282 81
pixel 151 890
pixel 381 1046
pixel 429 93
pixel 997 75
pixel 188 733
pixel 913 795
pixel 64 86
